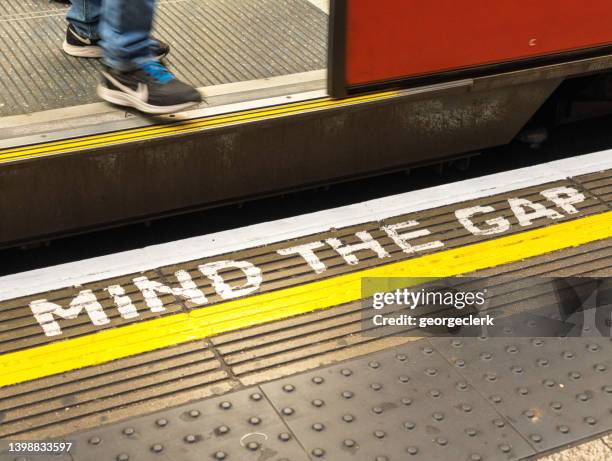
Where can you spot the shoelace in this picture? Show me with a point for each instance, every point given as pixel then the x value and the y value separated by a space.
pixel 157 71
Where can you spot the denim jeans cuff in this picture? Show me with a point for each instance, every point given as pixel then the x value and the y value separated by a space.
pixel 123 65
pixel 89 31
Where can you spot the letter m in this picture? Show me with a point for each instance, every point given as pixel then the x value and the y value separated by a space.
pixel 46 312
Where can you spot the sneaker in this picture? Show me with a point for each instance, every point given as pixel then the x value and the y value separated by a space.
pixel 82 47
pixel 152 89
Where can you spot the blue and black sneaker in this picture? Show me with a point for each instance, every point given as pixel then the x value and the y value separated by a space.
pixel 152 89
pixel 82 47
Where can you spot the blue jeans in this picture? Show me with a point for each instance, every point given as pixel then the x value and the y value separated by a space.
pixel 124 27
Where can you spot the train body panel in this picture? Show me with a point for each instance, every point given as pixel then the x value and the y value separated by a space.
pixel 395 39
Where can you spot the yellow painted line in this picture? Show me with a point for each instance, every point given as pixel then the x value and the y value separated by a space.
pixel 112 344
pixel 199 124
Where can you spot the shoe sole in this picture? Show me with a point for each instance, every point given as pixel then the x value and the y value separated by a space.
pixel 123 99
pixel 91 51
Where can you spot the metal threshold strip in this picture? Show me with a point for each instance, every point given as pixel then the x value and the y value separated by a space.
pixel 100 118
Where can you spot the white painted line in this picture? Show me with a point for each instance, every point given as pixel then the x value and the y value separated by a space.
pixel 323 5
pixel 95 269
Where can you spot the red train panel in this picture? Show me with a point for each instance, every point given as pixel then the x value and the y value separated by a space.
pixel 393 39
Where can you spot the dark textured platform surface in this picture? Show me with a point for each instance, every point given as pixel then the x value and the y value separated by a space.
pixel 553 391
pixel 462 399
pixel 214 42
pixel 395 405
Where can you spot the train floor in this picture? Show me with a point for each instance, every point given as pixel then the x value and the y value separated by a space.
pixel 259 343
pixel 234 52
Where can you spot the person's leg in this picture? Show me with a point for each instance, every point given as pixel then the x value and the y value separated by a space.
pixel 132 77
pixel 84 30
pixel 84 17
pixel 125 30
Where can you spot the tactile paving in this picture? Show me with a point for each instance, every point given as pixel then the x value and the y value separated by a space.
pixel 241 426
pixel 554 391
pixel 400 404
pixel 467 399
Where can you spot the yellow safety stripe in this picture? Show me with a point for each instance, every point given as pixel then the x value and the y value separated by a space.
pixel 188 126
pixel 112 344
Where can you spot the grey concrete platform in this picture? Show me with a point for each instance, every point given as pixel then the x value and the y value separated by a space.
pixel 213 42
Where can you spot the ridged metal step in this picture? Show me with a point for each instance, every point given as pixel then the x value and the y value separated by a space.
pixel 213 42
